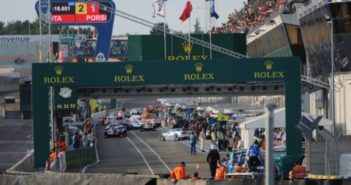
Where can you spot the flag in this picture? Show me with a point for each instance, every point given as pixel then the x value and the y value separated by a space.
pixel 186 12
pixel 213 12
pixel 159 8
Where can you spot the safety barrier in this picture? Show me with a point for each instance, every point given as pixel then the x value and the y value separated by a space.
pixel 79 157
pixel 78 178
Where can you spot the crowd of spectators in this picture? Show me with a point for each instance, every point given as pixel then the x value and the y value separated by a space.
pixel 253 13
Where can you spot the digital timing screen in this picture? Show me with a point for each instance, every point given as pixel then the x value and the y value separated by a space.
pixel 80 12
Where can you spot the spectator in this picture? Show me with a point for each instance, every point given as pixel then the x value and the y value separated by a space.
pixel 53 154
pixel 298 171
pixel 192 140
pixel 195 176
pixel 254 156
pixel 76 141
pixel 221 170
pixel 90 138
pixel 202 139
pixel 238 144
pixel 230 153
pixel 179 172
pixel 250 16
pixel 240 168
pixel 213 158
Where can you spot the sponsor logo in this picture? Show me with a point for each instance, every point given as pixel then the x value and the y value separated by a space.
pixel 65 92
pixel 187 48
pixel 198 76
pixel 129 77
pixel 58 70
pixel 269 74
pixel 58 79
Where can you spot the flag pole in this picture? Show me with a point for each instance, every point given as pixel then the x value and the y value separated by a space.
pixel 40 33
pixel 164 32
pixel 189 37
pixel 50 43
pixel 210 30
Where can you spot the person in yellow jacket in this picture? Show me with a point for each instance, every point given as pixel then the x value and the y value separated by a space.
pixel 221 170
pixel 179 172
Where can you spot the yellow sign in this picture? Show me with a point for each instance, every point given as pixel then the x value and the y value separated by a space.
pixel 81 8
pixel 198 76
pixel 128 78
pixel 269 74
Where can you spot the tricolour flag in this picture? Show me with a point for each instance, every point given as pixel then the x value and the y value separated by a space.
pixel 186 12
pixel 213 12
pixel 159 8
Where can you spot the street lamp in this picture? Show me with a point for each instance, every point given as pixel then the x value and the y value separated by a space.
pixel 329 20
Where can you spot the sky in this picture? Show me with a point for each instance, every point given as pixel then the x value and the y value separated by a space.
pixel 24 10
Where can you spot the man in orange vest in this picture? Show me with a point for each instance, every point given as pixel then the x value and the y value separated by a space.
pixel 53 155
pixel 298 172
pixel 221 170
pixel 195 176
pixel 179 172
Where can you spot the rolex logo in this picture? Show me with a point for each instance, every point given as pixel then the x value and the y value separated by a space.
pixel 269 65
pixel 129 69
pixel 187 46
pixel 198 67
pixel 58 70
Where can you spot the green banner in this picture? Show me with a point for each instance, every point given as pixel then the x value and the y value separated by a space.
pixel 151 47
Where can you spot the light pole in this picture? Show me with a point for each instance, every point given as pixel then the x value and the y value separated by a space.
pixel 332 90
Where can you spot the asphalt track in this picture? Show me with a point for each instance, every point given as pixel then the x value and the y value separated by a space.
pixel 143 153
pixel 15 141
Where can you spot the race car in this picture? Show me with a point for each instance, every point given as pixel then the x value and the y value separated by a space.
pixel 135 121
pixel 147 124
pixel 117 130
pixel 174 134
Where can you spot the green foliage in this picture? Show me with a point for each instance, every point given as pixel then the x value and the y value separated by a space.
pixel 197 27
pixel 32 28
pixel 158 29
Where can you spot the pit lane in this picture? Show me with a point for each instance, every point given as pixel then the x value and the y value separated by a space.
pixel 144 153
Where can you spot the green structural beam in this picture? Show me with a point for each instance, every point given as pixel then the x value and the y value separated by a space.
pixel 71 76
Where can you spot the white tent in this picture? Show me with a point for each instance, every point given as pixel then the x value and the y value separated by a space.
pixel 248 127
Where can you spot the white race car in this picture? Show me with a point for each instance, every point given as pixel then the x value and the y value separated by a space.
pixel 115 130
pixel 135 121
pixel 174 134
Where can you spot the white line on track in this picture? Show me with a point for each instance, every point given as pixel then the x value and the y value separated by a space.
pixel 141 154
pixel 153 151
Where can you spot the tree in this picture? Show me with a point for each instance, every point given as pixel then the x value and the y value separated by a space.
pixel 2 24
pixel 158 29
pixel 197 28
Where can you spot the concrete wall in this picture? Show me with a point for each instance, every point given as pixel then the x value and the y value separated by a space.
pixel 76 178
pixel 343 102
